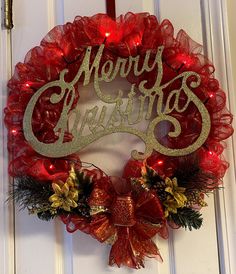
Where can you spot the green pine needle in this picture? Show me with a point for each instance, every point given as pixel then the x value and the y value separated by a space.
pixel 187 218
pixel 28 192
pixel 46 215
pixel 84 183
pixel 152 176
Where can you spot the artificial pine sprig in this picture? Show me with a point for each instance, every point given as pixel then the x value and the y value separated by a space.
pixel 85 183
pixel 192 177
pixel 179 194
pixel 187 218
pixel 151 177
pixel 29 193
pixel 35 195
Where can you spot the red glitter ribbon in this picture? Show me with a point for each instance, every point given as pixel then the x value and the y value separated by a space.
pixel 130 217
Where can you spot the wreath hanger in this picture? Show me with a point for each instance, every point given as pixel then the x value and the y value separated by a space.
pixel 111 8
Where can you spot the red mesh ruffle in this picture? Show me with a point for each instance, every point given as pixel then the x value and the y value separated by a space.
pixel 132 34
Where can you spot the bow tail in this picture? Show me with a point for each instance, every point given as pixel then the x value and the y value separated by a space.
pixel 145 248
pixel 102 229
pixel 131 248
pixel 146 230
pixel 122 251
pixel 75 222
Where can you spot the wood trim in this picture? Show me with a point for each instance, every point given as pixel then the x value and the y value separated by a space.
pixel 215 22
pixel 7 223
pixel 157 9
pixel 51 8
pixel 55 13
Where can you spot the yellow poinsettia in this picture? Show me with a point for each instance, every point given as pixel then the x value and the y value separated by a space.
pixel 176 198
pixel 65 194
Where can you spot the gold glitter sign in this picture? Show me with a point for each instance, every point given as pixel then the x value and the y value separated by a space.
pixel 100 123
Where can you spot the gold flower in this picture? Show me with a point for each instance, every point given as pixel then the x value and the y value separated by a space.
pixel 65 194
pixel 176 198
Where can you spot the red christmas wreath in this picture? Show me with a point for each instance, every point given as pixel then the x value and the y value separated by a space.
pixel 153 193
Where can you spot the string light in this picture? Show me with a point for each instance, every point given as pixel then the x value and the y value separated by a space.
pixel 185 59
pixel 160 162
pixel 107 34
pixel 136 40
pixel 211 95
pixel 14 131
pixel 51 167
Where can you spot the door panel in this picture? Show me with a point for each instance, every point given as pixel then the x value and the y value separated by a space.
pixel 37 242
pixel 123 6
pixel 45 247
pixel 188 15
pixel 90 8
pixel 6 209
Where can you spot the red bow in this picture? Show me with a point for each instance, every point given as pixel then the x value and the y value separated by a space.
pixel 127 216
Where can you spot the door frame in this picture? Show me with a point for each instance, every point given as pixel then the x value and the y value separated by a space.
pixel 216 22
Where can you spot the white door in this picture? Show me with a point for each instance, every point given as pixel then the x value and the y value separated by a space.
pixel 31 246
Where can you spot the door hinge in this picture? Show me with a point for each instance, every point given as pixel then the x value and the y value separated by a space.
pixel 7 14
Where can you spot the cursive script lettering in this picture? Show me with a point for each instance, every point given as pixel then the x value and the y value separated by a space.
pixel 100 123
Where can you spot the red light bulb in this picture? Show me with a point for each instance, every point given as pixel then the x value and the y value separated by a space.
pixel 211 95
pixel 51 167
pixel 185 59
pixel 160 162
pixel 14 131
pixel 107 34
